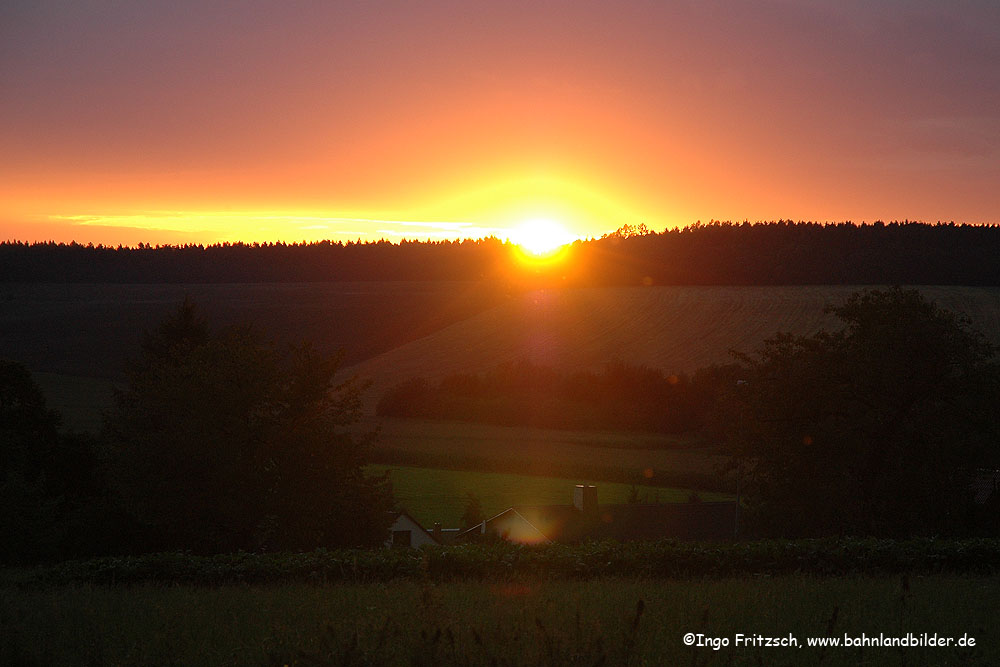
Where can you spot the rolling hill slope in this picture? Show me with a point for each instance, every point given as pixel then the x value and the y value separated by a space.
pixel 677 329
pixel 89 330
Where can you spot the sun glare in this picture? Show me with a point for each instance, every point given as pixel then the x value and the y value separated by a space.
pixel 541 236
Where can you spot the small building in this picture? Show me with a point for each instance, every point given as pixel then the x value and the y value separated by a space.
pixel 406 532
pixel 586 520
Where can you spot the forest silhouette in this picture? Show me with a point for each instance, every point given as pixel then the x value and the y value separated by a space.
pixel 715 253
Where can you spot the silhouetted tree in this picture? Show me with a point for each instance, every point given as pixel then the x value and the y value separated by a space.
pixel 877 428
pixel 28 436
pixel 472 514
pixel 222 441
pixel 51 490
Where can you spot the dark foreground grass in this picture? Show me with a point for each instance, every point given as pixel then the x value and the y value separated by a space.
pixel 601 621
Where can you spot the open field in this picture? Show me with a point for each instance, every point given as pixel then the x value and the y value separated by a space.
pixel 676 329
pixel 525 623
pixel 430 494
pixel 601 455
pixel 575 455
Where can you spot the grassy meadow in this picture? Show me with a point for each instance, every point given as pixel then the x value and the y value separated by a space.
pixel 600 455
pixel 604 621
pixel 430 494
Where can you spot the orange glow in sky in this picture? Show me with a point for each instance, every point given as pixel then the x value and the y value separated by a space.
pixel 199 122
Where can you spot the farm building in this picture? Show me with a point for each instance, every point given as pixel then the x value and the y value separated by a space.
pixel 586 520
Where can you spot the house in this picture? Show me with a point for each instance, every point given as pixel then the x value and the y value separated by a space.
pixel 584 519
pixel 406 531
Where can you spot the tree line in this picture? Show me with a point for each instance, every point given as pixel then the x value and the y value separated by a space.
pixel 621 397
pixel 714 253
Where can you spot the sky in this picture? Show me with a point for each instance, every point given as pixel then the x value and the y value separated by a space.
pixel 193 121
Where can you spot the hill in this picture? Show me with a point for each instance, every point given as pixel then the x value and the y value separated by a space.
pixel 394 331
pixel 676 329
pixel 89 330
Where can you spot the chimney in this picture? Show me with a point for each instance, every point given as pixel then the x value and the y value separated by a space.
pixel 585 500
pixel 436 532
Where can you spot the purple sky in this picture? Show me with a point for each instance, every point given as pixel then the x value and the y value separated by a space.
pixel 200 121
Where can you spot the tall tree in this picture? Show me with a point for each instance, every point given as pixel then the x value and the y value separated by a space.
pixel 878 428
pixel 222 441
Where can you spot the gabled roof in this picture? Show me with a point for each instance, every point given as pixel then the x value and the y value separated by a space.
pixel 512 524
pixel 403 513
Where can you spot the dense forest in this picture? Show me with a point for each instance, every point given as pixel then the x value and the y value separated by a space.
pixel 716 253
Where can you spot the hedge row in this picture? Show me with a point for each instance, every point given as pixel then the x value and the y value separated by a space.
pixel 502 561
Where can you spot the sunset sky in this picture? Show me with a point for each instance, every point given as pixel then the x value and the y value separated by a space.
pixel 193 121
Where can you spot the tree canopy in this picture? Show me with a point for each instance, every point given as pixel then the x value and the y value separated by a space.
pixel 877 428
pixel 222 441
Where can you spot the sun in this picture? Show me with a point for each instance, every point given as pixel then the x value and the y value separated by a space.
pixel 541 236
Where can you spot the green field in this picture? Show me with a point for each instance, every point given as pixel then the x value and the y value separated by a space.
pixel 605 455
pixel 526 623
pixel 431 495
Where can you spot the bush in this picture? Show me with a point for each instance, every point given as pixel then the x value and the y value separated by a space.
pixel 501 561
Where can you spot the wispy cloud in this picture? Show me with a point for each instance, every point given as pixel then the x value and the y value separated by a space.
pixel 229 225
